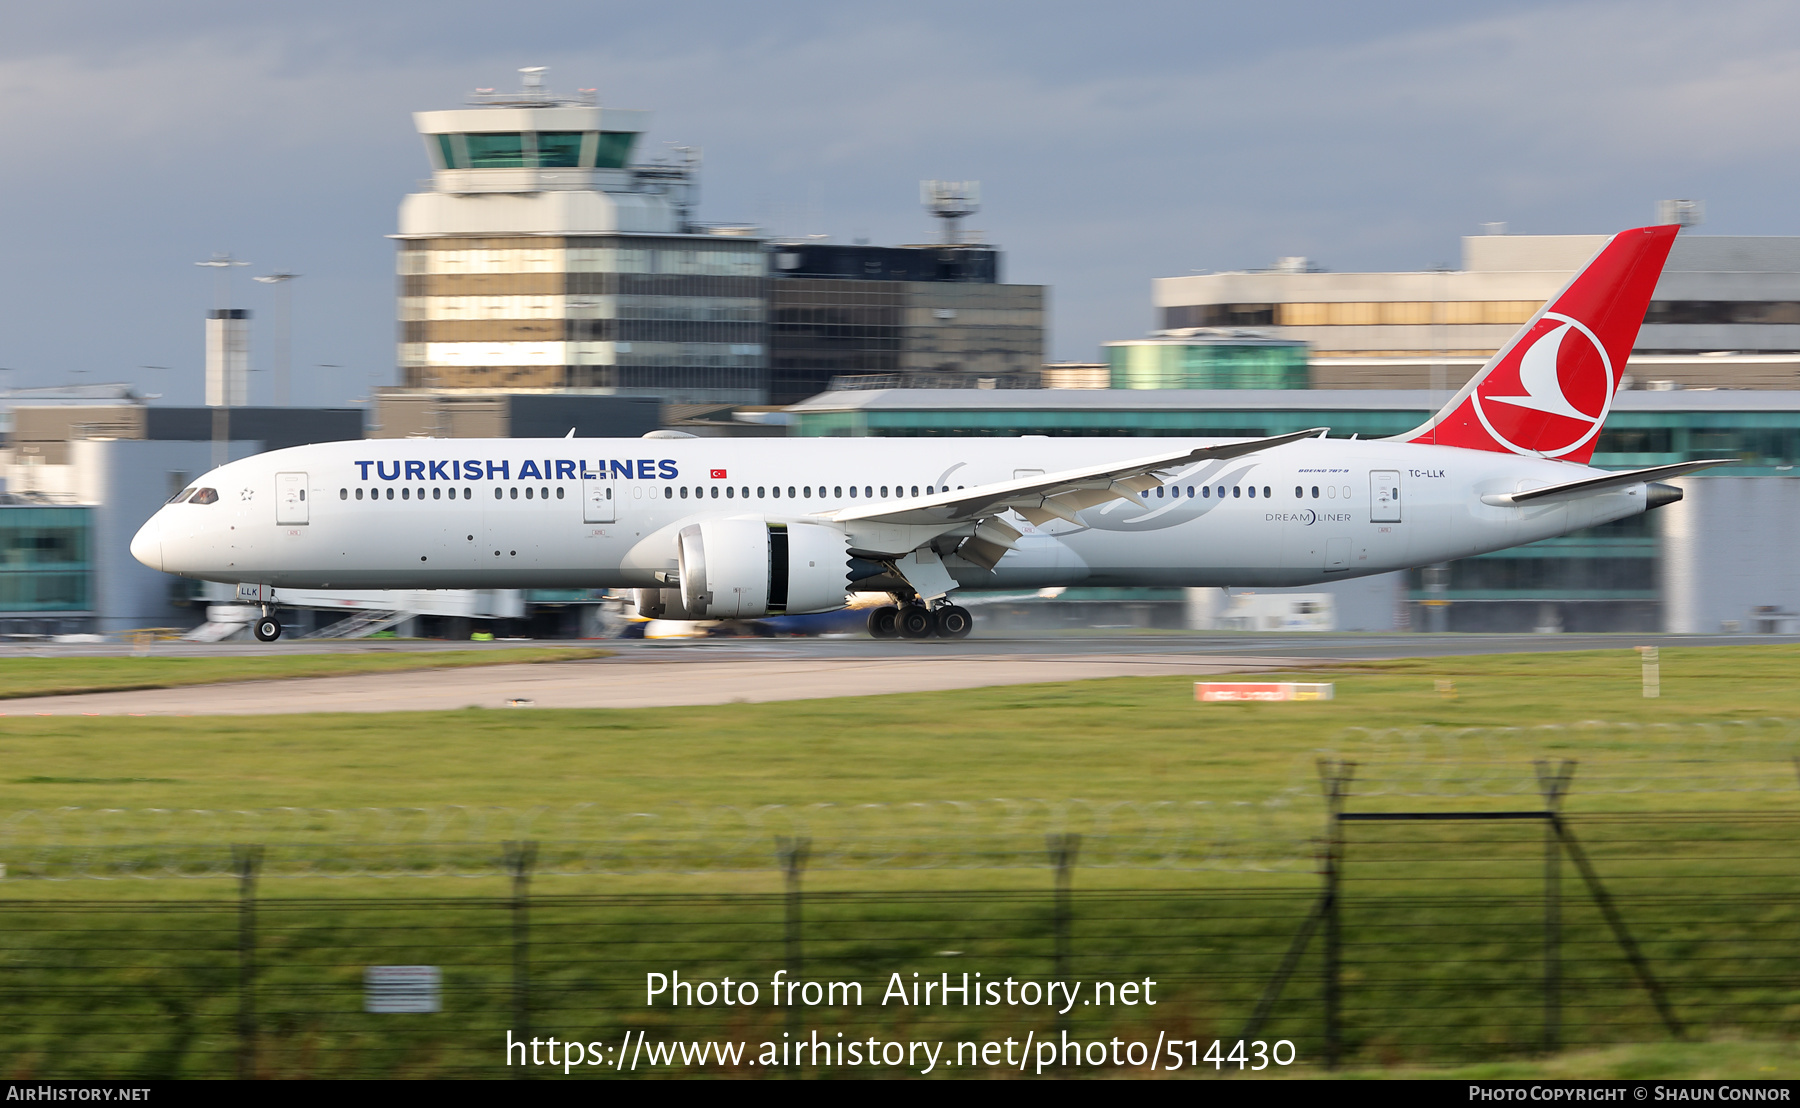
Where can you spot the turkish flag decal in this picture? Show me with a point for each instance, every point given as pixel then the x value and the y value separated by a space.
pixel 718 475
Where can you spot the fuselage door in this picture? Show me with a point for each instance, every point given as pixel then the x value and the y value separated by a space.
pixel 1384 496
pixel 597 503
pixel 290 499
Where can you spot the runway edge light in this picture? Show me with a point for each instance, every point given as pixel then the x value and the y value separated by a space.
pixel 1214 691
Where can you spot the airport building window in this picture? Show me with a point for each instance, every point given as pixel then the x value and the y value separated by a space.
pixel 559 149
pixel 44 559
pixel 495 151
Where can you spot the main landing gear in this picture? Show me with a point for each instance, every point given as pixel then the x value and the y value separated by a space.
pixel 267 628
pixel 915 621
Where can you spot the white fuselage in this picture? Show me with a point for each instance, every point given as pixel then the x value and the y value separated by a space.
pixel 599 513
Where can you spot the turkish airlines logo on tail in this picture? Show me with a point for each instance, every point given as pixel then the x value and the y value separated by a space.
pixel 1552 393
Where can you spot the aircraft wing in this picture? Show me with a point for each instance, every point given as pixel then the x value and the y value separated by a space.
pixel 1044 497
pixel 1571 489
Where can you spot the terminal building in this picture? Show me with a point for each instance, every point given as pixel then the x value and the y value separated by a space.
pixel 909 315
pixel 1726 313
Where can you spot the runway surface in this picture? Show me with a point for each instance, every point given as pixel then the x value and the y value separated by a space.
pixel 721 671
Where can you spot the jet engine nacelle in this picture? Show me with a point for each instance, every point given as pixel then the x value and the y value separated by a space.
pixel 744 568
pixel 660 604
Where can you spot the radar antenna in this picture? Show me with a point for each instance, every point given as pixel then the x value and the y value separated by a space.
pixel 950 201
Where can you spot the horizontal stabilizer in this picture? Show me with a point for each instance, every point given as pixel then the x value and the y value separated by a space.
pixel 1570 489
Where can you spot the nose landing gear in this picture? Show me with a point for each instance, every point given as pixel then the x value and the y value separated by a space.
pixel 267 628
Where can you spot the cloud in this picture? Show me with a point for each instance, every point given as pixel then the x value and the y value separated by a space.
pixel 1115 145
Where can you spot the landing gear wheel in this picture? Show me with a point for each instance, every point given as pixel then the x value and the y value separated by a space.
pixel 954 622
pixel 882 623
pixel 267 629
pixel 915 622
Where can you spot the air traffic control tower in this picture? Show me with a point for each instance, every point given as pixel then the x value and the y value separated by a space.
pixel 543 257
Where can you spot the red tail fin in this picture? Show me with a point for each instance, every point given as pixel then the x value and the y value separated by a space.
pixel 1547 392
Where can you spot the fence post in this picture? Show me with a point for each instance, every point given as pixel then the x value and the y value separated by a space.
pixel 1554 785
pixel 246 858
pixel 1334 778
pixel 1617 922
pixel 520 856
pixel 1063 849
pixel 791 853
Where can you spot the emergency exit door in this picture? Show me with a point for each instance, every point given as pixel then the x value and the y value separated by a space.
pixel 290 499
pixel 597 503
pixel 1384 496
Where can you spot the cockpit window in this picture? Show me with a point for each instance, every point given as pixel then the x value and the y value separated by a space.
pixel 205 496
pixel 180 496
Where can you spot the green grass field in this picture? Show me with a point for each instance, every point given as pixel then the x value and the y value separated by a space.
pixel 1118 739
pixel 55 676
pixel 1711 896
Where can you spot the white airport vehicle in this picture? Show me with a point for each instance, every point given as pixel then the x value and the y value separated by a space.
pixel 709 529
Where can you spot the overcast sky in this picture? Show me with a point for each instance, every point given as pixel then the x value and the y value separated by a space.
pixel 1115 142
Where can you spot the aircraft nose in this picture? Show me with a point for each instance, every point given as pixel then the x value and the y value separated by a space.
pixel 146 545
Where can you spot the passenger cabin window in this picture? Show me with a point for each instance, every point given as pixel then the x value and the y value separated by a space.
pixel 343 494
pixel 204 496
